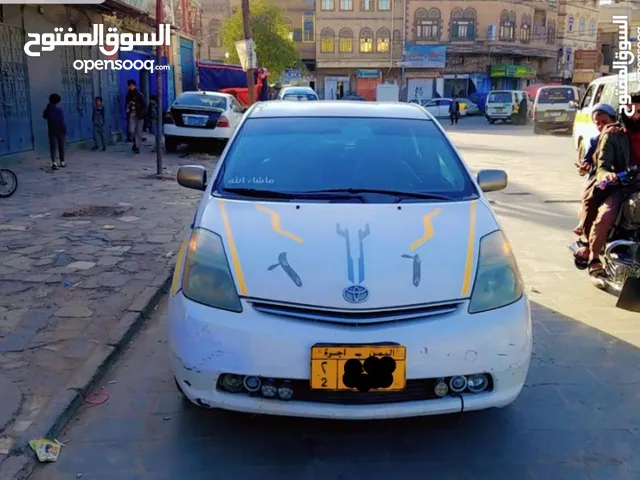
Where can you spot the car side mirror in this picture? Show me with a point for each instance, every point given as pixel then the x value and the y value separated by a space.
pixel 492 180
pixel 192 176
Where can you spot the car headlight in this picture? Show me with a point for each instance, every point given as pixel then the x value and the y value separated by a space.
pixel 498 282
pixel 206 276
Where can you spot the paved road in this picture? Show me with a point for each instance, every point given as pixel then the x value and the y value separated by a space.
pixel 576 419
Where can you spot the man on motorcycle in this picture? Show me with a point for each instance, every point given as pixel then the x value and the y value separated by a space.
pixel 618 148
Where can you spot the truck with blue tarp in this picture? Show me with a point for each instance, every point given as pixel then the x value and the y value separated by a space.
pixel 222 77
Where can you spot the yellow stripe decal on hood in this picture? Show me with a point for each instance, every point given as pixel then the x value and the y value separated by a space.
pixel 232 249
pixel 428 229
pixel 275 223
pixel 471 243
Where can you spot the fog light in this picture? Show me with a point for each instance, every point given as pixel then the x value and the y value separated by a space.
pixel 458 384
pixel 252 384
pixel 231 383
pixel 269 389
pixel 441 388
pixel 478 383
pixel 285 391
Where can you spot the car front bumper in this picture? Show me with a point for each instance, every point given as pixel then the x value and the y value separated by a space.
pixel 187 133
pixel 205 343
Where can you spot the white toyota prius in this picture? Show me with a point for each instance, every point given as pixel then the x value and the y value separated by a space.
pixel 344 263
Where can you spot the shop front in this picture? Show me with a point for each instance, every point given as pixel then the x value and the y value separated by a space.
pixel 423 69
pixel 424 85
pixel 511 77
pixel 366 83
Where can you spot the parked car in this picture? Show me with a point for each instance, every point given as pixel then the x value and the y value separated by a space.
pixel 356 98
pixel 197 116
pixel 470 108
pixel 371 280
pixel 439 107
pixel 299 94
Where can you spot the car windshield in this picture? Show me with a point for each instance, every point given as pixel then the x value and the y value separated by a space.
pixel 556 95
pixel 319 154
pixel 500 97
pixel 201 100
pixel 301 96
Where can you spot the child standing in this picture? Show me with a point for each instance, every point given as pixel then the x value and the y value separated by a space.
pixel 57 129
pixel 602 115
pixel 152 114
pixel 98 125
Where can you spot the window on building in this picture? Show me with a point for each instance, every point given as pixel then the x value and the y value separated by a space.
pixel 463 24
pixel 507 26
pixel 427 24
pixel 327 41
pixel 383 41
pixel 570 24
pixel 327 5
pixel 346 5
pixel 397 37
pixel 367 5
pixel 592 28
pixel 583 25
pixel 366 40
pixel 345 40
pixel 308 27
pixel 525 29
pixel 384 5
pixel 568 55
pixel 551 32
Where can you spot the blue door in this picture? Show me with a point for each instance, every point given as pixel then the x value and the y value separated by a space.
pixel 188 65
pixel 15 111
pixel 77 94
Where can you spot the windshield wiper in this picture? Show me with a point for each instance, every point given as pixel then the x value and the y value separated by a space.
pixel 318 195
pixel 396 193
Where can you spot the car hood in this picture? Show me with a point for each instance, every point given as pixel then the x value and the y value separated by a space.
pixel 358 256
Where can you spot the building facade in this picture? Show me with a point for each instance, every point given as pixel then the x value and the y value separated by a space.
pixel 577 30
pixel 26 82
pixel 608 32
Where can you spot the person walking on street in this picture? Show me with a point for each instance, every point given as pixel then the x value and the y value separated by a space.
pixel 136 112
pixel 523 111
pixel 57 129
pixel 454 111
pixel 98 125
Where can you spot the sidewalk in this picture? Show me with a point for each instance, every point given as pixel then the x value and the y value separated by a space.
pixel 84 252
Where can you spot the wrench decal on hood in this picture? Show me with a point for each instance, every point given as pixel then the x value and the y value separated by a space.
pixel 288 269
pixel 416 268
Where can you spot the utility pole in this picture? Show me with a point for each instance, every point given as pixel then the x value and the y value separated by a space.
pixel 246 23
pixel 160 108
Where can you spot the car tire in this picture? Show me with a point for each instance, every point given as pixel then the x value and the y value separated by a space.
pixel 491 121
pixel 170 144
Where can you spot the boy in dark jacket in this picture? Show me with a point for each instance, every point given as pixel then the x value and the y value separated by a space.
pixel 98 125
pixel 136 113
pixel 57 129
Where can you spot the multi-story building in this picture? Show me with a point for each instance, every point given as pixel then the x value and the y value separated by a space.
pixel 577 30
pixel 609 33
pixel 451 47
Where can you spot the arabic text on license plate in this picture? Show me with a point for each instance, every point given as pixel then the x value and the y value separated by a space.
pixel 562 118
pixel 338 367
pixel 195 121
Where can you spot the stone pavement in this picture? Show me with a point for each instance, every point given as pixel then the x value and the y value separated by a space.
pixel 79 248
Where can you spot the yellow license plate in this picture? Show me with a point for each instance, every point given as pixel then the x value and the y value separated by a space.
pixel 562 118
pixel 358 367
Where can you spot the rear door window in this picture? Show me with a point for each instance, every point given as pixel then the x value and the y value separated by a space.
pixel 556 95
pixel 500 97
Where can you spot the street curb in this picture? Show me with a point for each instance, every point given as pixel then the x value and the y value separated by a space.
pixel 22 462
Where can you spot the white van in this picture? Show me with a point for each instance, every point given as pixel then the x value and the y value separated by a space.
pixel 601 90
pixel 555 108
pixel 503 105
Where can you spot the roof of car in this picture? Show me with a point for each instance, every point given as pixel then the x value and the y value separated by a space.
pixel 338 108
pixel 302 89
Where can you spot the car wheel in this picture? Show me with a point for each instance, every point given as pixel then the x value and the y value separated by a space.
pixel 170 144
pixel 491 121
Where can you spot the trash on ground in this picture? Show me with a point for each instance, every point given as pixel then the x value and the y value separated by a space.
pixel 46 450
pixel 109 227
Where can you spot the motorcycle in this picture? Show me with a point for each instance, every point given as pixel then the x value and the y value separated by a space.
pixel 621 256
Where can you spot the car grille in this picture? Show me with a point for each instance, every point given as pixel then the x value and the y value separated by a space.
pixel 355 317
pixel 176 114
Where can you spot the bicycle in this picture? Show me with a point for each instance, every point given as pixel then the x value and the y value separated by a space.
pixel 8 183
